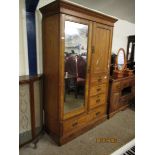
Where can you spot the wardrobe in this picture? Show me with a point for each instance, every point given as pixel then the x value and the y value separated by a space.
pixel 77 46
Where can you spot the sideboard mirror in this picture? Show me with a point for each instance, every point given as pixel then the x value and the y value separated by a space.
pixel 120 60
pixel 131 52
pixel 120 69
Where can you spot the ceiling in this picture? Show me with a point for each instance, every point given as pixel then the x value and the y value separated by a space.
pixel 122 9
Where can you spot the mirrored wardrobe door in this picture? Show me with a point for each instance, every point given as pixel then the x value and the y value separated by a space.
pixel 75 64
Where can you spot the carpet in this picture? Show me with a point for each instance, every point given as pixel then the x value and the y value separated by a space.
pixel 121 128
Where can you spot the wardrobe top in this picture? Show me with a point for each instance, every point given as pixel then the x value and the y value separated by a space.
pixel 70 8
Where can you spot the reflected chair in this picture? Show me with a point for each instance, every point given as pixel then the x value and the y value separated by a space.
pixel 75 66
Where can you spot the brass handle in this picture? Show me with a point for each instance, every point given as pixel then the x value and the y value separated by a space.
pixel 75 124
pixel 99 80
pixel 93 49
pixel 98 89
pixel 97 113
pixel 118 87
pixel 97 101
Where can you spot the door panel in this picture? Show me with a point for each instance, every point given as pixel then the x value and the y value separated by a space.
pixel 100 56
pixel 100 49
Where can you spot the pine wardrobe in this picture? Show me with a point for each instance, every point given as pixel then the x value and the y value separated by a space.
pixel 76 56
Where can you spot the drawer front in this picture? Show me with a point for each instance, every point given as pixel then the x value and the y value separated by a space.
pixel 116 86
pixel 133 82
pixel 125 83
pixel 133 91
pixel 98 79
pixel 97 100
pixel 114 101
pixel 124 100
pixel 95 90
pixel 100 111
pixel 72 124
pixel 97 113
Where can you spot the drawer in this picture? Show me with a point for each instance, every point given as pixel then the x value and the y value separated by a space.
pixel 114 101
pixel 116 86
pixel 133 91
pixel 100 111
pixel 97 100
pixel 97 113
pixel 124 100
pixel 133 82
pixel 98 79
pixel 74 123
pixel 125 83
pixel 95 90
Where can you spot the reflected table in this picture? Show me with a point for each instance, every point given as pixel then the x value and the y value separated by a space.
pixel 70 84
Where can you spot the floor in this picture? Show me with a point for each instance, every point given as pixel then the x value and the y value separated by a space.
pixel 120 127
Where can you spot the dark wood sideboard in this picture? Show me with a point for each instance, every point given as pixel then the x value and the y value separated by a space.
pixel 121 93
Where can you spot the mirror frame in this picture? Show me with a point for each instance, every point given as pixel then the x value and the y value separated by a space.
pixel 82 109
pixel 116 61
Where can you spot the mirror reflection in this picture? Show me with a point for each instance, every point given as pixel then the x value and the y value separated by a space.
pixel 75 55
pixel 121 59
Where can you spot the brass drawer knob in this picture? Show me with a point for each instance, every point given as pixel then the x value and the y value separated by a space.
pixel 99 80
pixel 75 124
pixel 98 100
pixel 98 113
pixel 99 89
pixel 118 87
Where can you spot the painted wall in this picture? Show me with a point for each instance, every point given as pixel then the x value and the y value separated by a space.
pixel 122 29
pixel 23 53
pixel 39 41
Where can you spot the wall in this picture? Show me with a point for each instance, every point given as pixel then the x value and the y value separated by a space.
pixel 39 41
pixel 122 29
pixel 23 53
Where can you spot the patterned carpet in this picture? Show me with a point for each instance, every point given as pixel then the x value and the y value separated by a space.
pixel 120 127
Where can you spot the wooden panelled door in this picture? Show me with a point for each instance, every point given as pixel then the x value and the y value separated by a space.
pixel 100 49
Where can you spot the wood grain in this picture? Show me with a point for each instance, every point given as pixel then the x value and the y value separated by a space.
pixel 117 101
pixel 64 127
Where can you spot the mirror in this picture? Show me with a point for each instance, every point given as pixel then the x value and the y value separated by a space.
pixel 120 59
pixel 121 69
pixel 129 51
pixel 75 63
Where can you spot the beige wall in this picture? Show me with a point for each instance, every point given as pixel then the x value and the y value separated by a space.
pixel 23 55
pixel 122 30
